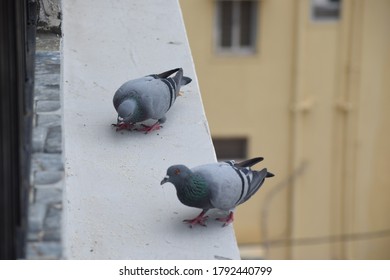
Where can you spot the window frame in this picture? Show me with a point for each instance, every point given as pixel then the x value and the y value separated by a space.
pixel 239 144
pixel 236 48
pixel 323 19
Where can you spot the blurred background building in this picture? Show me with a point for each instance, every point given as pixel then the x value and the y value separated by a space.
pixel 306 85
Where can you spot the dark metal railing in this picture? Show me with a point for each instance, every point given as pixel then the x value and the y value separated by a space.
pixel 17 50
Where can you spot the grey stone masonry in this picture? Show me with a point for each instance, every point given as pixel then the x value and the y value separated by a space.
pixel 47 168
pixel 49 17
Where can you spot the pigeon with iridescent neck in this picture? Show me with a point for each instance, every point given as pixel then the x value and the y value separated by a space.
pixel 222 185
pixel 149 97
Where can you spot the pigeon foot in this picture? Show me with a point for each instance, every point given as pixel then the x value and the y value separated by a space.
pixel 200 219
pixel 227 220
pixel 151 128
pixel 122 126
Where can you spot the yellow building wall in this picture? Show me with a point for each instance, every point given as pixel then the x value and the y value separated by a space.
pixel 312 101
pixel 369 190
pixel 241 93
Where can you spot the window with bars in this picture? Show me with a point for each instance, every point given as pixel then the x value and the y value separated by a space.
pixel 236 26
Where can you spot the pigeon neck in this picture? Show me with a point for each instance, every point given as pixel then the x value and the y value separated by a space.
pixel 193 191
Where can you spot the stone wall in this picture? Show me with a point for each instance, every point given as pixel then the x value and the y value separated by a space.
pixel 47 168
pixel 49 17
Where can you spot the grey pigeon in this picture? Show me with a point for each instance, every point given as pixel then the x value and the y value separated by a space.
pixel 149 97
pixel 222 185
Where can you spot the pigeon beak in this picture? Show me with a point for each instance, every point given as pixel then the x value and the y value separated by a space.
pixel 166 179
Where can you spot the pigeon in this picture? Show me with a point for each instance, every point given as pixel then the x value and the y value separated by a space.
pixel 222 185
pixel 149 97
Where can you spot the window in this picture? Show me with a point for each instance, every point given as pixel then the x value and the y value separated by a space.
pixel 326 9
pixel 230 148
pixel 236 26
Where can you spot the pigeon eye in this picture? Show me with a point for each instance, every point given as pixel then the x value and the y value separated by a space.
pixel 177 171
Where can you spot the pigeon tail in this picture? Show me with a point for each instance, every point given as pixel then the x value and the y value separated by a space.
pixel 178 78
pixel 168 73
pixel 185 81
pixel 249 162
pixel 257 182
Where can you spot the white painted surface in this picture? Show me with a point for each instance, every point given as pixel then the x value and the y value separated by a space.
pixel 115 207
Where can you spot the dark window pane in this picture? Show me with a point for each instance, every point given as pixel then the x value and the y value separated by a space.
pixel 326 9
pixel 230 148
pixel 246 22
pixel 226 22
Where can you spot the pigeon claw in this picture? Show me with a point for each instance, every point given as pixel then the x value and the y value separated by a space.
pixel 226 220
pixel 122 126
pixel 151 128
pixel 200 220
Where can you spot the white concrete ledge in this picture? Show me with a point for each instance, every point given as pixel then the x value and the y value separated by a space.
pixel 114 205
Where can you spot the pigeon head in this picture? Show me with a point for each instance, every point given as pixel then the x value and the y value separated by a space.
pixel 176 174
pixel 126 110
pixel 191 189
